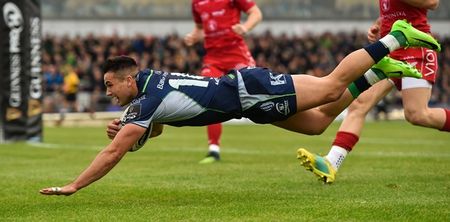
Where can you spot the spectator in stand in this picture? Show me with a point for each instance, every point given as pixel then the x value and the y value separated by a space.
pixel 70 89
pixel 53 85
pixel 266 48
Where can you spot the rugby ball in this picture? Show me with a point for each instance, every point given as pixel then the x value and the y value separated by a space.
pixel 143 139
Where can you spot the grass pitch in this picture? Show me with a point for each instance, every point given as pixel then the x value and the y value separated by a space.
pixel 397 172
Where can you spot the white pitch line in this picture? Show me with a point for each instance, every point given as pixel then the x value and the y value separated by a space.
pixel 246 151
pixel 65 146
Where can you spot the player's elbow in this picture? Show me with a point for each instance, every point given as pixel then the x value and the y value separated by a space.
pixel 431 4
pixel 259 15
pixel 255 13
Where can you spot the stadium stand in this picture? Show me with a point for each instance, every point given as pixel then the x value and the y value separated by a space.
pixel 309 53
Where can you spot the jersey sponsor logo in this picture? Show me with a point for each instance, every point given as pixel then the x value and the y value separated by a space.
pixel 204 16
pixel 139 99
pixel 267 106
pixel 162 81
pixel 277 80
pixel 203 2
pixel 218 13
pixel 430 64
pixel 283 107
pixel 231 76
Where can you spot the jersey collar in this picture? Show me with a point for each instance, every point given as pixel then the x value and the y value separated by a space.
pixel 142 79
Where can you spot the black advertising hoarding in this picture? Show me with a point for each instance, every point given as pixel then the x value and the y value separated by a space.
pixel 20 71
pixel 34 68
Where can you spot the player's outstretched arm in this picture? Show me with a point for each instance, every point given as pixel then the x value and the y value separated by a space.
pixel 103 162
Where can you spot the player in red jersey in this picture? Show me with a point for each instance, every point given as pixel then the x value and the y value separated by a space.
pixel 415 92
pixel 217 22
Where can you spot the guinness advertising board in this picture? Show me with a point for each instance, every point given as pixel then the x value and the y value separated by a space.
pixel 20 71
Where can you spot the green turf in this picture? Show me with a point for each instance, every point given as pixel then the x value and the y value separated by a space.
pixel 397 172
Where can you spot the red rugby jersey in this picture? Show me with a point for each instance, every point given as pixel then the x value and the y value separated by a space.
pixel 392 10
pixel 217 18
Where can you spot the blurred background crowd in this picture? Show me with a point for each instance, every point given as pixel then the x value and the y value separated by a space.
pixel 72 64
pixel 180 9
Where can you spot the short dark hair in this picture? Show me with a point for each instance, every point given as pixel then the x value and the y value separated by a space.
pixel 118 63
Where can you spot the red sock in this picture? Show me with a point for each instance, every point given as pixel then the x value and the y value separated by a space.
pixel 214 132
pixel 345 140
pixel 447 121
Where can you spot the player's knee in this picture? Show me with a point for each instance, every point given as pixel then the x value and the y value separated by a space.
pixel 334 94
pixel 416 117
pixel 359 107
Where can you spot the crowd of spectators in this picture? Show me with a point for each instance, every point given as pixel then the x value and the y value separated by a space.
pixel 77 61
pixel 170 9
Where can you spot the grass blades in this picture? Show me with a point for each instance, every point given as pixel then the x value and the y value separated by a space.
pixel 397 172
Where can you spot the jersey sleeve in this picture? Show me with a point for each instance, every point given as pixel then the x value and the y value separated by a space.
pixel 142 112
pixel 244 5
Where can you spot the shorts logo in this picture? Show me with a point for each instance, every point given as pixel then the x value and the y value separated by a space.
pixel 267 106
pixel 277 80
pixel 283 107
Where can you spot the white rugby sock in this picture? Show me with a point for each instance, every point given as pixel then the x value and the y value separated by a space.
pixel 336 156
pixel 390 42
pixel 214 148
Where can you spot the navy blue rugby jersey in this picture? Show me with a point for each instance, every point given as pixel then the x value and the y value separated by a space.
pixel 180 99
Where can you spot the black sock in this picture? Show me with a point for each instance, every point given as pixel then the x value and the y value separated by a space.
pixel 362 84
pixel 377 51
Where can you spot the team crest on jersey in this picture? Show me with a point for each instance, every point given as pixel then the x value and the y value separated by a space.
pixel 385 5
pixel 132 112
pixel 276 80
pixel 283 107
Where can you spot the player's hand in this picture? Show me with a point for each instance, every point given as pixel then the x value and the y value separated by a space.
pixel 239 29
pixel 65 190
pixel 373 34
pixel 113 128
pixel 190 39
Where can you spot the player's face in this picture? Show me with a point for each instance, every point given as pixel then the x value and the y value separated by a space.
pixel 120 89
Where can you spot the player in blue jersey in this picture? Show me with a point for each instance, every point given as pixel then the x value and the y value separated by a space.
pixel 155 98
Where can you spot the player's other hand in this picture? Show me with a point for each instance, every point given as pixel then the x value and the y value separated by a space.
pixel 65 190
pixel 113 128
pixel 239 29
pixel 191 38
pixel 373 34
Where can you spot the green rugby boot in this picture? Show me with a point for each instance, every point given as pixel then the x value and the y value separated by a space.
pixel 413 37
pixel 317 164
pixel 211 157
pixel 394 68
